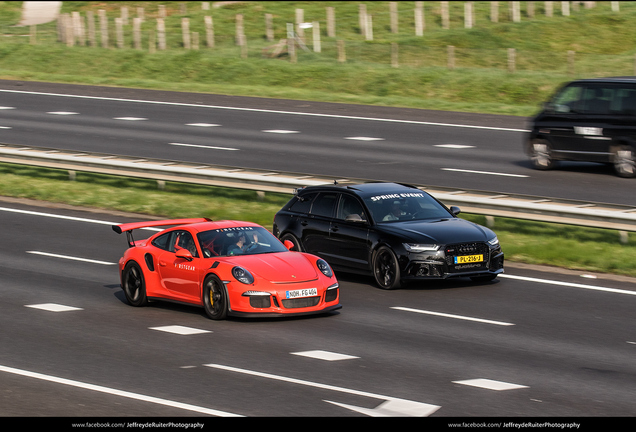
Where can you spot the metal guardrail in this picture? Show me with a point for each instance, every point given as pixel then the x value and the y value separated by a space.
pixel 535 208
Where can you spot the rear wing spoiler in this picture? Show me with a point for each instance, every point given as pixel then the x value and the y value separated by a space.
pixel 129 227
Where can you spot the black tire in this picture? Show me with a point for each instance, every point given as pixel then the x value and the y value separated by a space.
pixel 292 238
pixel 541 155
pixel 134 285
pixel 624 161
pixel 215 300
pixel 386 269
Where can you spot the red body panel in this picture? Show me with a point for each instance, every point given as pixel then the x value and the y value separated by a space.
pixel 292 280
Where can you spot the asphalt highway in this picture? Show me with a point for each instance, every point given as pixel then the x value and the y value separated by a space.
pixel 433 148
pixel 531 344
pixel 534 343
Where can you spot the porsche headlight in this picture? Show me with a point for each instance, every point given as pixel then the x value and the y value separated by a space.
pixel 493 241
pixel 324 267
pixel 242 275
pixel 417 248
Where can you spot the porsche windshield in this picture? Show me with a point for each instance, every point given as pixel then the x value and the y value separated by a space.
pixel 238 241
pixel 401 206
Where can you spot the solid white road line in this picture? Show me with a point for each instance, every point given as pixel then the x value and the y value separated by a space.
pixel 405 407
pixel 267 111
pixel 71 258
pixel 568 284
pixel 115 392
pixel 72 218
pixel 452 316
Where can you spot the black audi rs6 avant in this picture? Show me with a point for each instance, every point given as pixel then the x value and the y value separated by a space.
pixel 397 233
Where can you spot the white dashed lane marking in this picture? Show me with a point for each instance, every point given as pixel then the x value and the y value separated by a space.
pixel 62 113
pixel 203 124
pixel 130 118
pixel 361 138
pixel 325 355
pixel 204 146
pixel 484 172
pixel 454 146
pixel 180 330
pixel 490 384
pixel 280 131
pixel 53 307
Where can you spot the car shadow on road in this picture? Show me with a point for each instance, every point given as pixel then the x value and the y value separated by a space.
pixel 428 285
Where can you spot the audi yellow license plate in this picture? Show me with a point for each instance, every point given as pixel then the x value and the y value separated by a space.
pixel 467 259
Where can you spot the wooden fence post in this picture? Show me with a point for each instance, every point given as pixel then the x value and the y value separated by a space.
pixel 342 55
pixel 445 17
pixel 103 27
pixel 269 27
pixel 209 30
pixel 119 31
pixel 362 18
pixel 394 55
pixel 90 20
pixel 393 11
pixel 185 33
pixel 137 32
pixel 331 21
pixel 161 34
pixel 315 27
pixel 420 23
pixel 512 54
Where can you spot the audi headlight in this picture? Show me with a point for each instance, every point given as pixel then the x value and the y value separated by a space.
pixel 493 241
pixel 242 275
pixel 417 248
pixel 324 267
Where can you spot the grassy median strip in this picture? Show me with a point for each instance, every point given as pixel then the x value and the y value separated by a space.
pixel 585 249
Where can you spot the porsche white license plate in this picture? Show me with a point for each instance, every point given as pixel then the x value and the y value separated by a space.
pixel 309 292
pixel 467 259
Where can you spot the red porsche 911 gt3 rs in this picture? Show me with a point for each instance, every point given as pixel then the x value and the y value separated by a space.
pixel 228 267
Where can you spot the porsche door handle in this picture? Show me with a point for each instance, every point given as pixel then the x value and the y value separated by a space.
pixel 162 263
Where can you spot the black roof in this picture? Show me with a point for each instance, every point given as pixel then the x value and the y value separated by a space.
pixel 621 79
pixel 362 189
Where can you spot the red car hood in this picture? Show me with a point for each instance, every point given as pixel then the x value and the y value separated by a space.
pixel 283 267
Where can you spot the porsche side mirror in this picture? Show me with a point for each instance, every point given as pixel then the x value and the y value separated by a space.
pixel 455 210
pixel 289 244
pixel 184 254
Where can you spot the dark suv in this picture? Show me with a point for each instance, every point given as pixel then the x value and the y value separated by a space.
pixel 592 120
pixel 392 231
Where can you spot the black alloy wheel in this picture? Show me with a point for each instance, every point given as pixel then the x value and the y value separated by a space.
pixel 134 285
pixel 215 301
pixel 386 269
